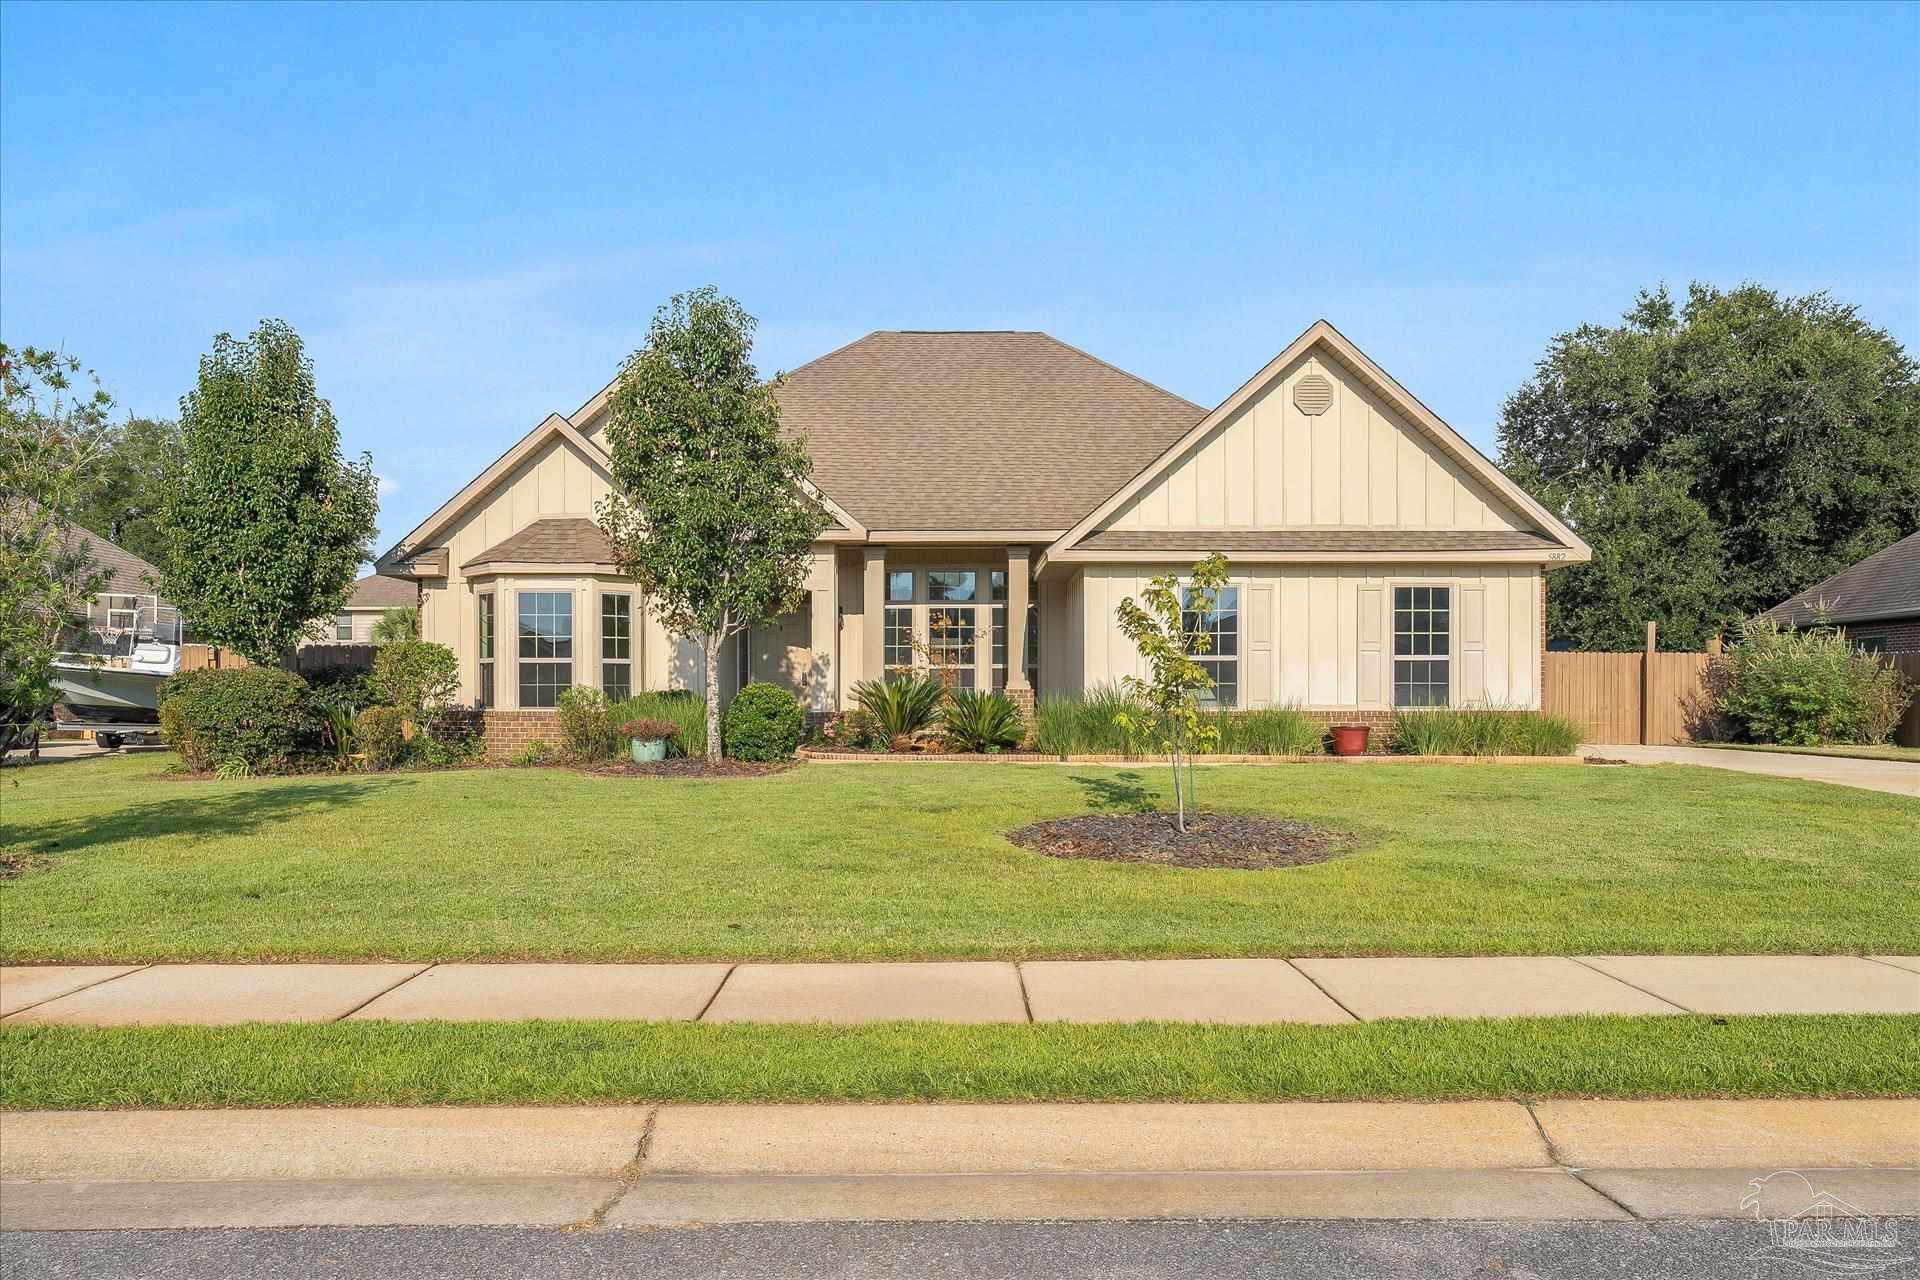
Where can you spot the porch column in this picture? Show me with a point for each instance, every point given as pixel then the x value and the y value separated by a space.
pixel 824 628
pixel 873 630
pixel 1018 560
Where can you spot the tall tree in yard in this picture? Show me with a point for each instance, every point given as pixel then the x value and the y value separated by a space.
pixel 1785 430
pixel 710 512
pixel 264 523
pixel 53 436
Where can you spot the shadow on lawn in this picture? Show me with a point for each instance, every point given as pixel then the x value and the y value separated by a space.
pixel 231 813
pixel 1121 793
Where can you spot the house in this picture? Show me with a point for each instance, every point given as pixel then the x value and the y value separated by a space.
pixel 1877 601
pixel 128 603
pixel 996 494
pixel 372 596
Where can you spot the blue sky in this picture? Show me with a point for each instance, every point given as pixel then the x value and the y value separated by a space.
pixel 470 213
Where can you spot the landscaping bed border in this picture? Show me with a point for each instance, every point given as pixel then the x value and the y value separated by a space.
pixel 1042 758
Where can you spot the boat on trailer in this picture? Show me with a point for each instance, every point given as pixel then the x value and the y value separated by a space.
pixel 109 683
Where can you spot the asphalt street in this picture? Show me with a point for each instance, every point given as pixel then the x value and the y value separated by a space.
pixel 1705 1250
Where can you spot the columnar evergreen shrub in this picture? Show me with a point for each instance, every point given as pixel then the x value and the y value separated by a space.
pixel 764 722
pixel 416 676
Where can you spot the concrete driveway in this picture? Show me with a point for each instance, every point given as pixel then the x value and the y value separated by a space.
pixel 1892 776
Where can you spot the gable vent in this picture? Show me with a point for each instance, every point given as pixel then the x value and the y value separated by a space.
pixel 1313 395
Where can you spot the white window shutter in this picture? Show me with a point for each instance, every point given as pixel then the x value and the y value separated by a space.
pixel 1470 637
pixel 1258 659
pixel 1373 661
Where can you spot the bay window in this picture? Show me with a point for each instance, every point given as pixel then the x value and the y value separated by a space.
pixel 546 646
pixel 616 646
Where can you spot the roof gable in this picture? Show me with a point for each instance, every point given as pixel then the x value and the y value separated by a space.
pixel 1321 438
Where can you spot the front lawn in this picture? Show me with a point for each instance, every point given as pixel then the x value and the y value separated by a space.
pixel 418 1064
pixel 904 861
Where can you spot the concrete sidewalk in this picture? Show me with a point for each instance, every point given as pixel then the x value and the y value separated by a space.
pixel 1248 991
pixel 652 1166
pixel 1896 777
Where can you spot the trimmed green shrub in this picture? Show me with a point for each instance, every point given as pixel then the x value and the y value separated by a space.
pixel 417 676
pixel 340 688
pixel 254 714
pixel 686 709
pixel 981 722
pixel 588 726
pixel 1806 687
pixel 764 722
pixel 902 705
pixel 535 752
pixel 381 737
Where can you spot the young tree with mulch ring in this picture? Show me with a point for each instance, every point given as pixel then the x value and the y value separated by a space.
pixel 1157 625
pixel 710 513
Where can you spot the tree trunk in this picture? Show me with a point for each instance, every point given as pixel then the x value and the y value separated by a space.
pixel 714 640
pixel 1179 798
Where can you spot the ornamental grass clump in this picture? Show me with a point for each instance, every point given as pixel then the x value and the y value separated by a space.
pixel 682 708
pixel 1270 731
pixel 1480 731
pixel 1089 724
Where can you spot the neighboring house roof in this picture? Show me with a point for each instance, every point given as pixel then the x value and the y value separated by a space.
pixel 955 430
pixel 558 540
pixel 127 573
pixel 1341 540
pixel 1884 585
pixel 377 592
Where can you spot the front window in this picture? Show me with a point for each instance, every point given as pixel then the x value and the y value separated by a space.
pixel 899 638
pixel 997 592
pixel 1221 661
pixel 486 651
pixel 546 646
pixel 900 586
pixel 953 585
pixel 343 628
pixel 1422 657
pixel 616 646
pixel 951 637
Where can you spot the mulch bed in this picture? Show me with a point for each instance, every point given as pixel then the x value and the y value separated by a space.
pixel 688 767
pixel 1221 840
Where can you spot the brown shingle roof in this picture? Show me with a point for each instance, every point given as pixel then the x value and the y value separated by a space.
pixel 560 540
pixel 1012 430
pixel 127 573
pixel 1341 540
pixel 378 592
pixel 1884 585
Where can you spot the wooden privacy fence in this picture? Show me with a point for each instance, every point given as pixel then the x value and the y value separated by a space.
pixel 1648 698
pixel 198 657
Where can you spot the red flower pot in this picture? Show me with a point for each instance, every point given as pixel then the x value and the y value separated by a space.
pixel 1350 739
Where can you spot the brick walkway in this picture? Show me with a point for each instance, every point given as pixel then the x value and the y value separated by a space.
pixel 1216 991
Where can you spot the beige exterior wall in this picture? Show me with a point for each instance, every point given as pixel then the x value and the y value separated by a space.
pixel 1357 465
pixel 1320 636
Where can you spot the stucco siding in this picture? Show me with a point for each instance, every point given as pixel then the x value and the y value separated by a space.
pixel 1357 465
pixel 1319 636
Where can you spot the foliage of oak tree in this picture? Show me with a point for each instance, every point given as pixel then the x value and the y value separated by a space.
pixel 52 437
pixel 1792 423
pixel 264 524
pixel 121 500
pixel 1158 624
pixel 710 514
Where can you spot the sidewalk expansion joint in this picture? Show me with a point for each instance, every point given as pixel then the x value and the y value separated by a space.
pixel 423 969
pixel 97 982
pixel 725 978
pixel 1318 986
pixel 1026 1001
pixel 1581 961
pixel 630 1174
pixel 1560 1162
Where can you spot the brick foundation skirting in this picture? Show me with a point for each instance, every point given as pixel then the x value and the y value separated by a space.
pixel 507 733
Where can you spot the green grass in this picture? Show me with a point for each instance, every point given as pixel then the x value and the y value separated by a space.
pixel 900 861
pixel 582 1062
pixel 1882 751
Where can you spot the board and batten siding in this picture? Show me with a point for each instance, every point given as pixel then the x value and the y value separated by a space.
pixel 557 481
pixel 1320 636
pixel 1358 465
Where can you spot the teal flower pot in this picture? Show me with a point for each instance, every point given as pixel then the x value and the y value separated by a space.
pixel 647 750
